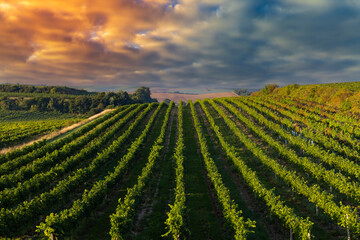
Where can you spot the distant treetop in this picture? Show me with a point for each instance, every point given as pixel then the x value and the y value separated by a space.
pixel 242 92
pixel 17 88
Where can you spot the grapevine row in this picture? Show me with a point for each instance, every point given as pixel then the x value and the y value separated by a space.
pixel 42 164
pixel 299 226
pixel 337 180
pixel 175 220
pixel 56 224
pixel 332 159
pixel 11 196
pixel 37 149
pixel 38 128
pixel 28 212
pixel 338 130
pixel 338 127
pixel 318 136
pixel 121 220
pixel 345 216
pixel 230 211
pixel 24 157
pixel 327 111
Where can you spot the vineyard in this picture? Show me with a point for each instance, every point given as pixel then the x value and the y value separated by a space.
pixel 19 126
pixel 260 167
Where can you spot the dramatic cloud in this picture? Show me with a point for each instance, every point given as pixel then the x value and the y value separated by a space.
pixel 193 43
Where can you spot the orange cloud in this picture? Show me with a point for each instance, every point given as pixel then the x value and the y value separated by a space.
pixel 71 41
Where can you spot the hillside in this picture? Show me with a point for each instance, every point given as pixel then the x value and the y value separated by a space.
pixel 340 96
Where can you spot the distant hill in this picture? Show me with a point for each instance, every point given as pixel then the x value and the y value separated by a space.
pixel 344 96
pixel 176 97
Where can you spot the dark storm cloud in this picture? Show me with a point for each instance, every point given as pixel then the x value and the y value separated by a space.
pixel 251 44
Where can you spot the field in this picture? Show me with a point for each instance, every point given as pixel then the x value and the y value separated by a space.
pixel 263 167
pixel 176 97
pixel 17 127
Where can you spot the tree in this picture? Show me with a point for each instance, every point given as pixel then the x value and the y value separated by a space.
pixel 123 98
pixel 142 95
pixel 242 92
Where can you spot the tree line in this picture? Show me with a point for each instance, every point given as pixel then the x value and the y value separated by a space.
pixel 81 104
pixel 17 88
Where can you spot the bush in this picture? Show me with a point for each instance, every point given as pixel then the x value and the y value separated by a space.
pixel 269 88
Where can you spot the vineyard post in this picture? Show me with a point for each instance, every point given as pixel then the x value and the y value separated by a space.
pixel 347 226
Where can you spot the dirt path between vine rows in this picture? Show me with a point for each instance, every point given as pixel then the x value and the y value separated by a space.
pixel 55 134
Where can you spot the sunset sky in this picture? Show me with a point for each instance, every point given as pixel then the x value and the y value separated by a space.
pixel 106 44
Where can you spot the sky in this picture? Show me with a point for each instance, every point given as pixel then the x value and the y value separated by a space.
pixel 122 44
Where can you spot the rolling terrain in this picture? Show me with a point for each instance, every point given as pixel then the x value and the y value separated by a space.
pixel 258 167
